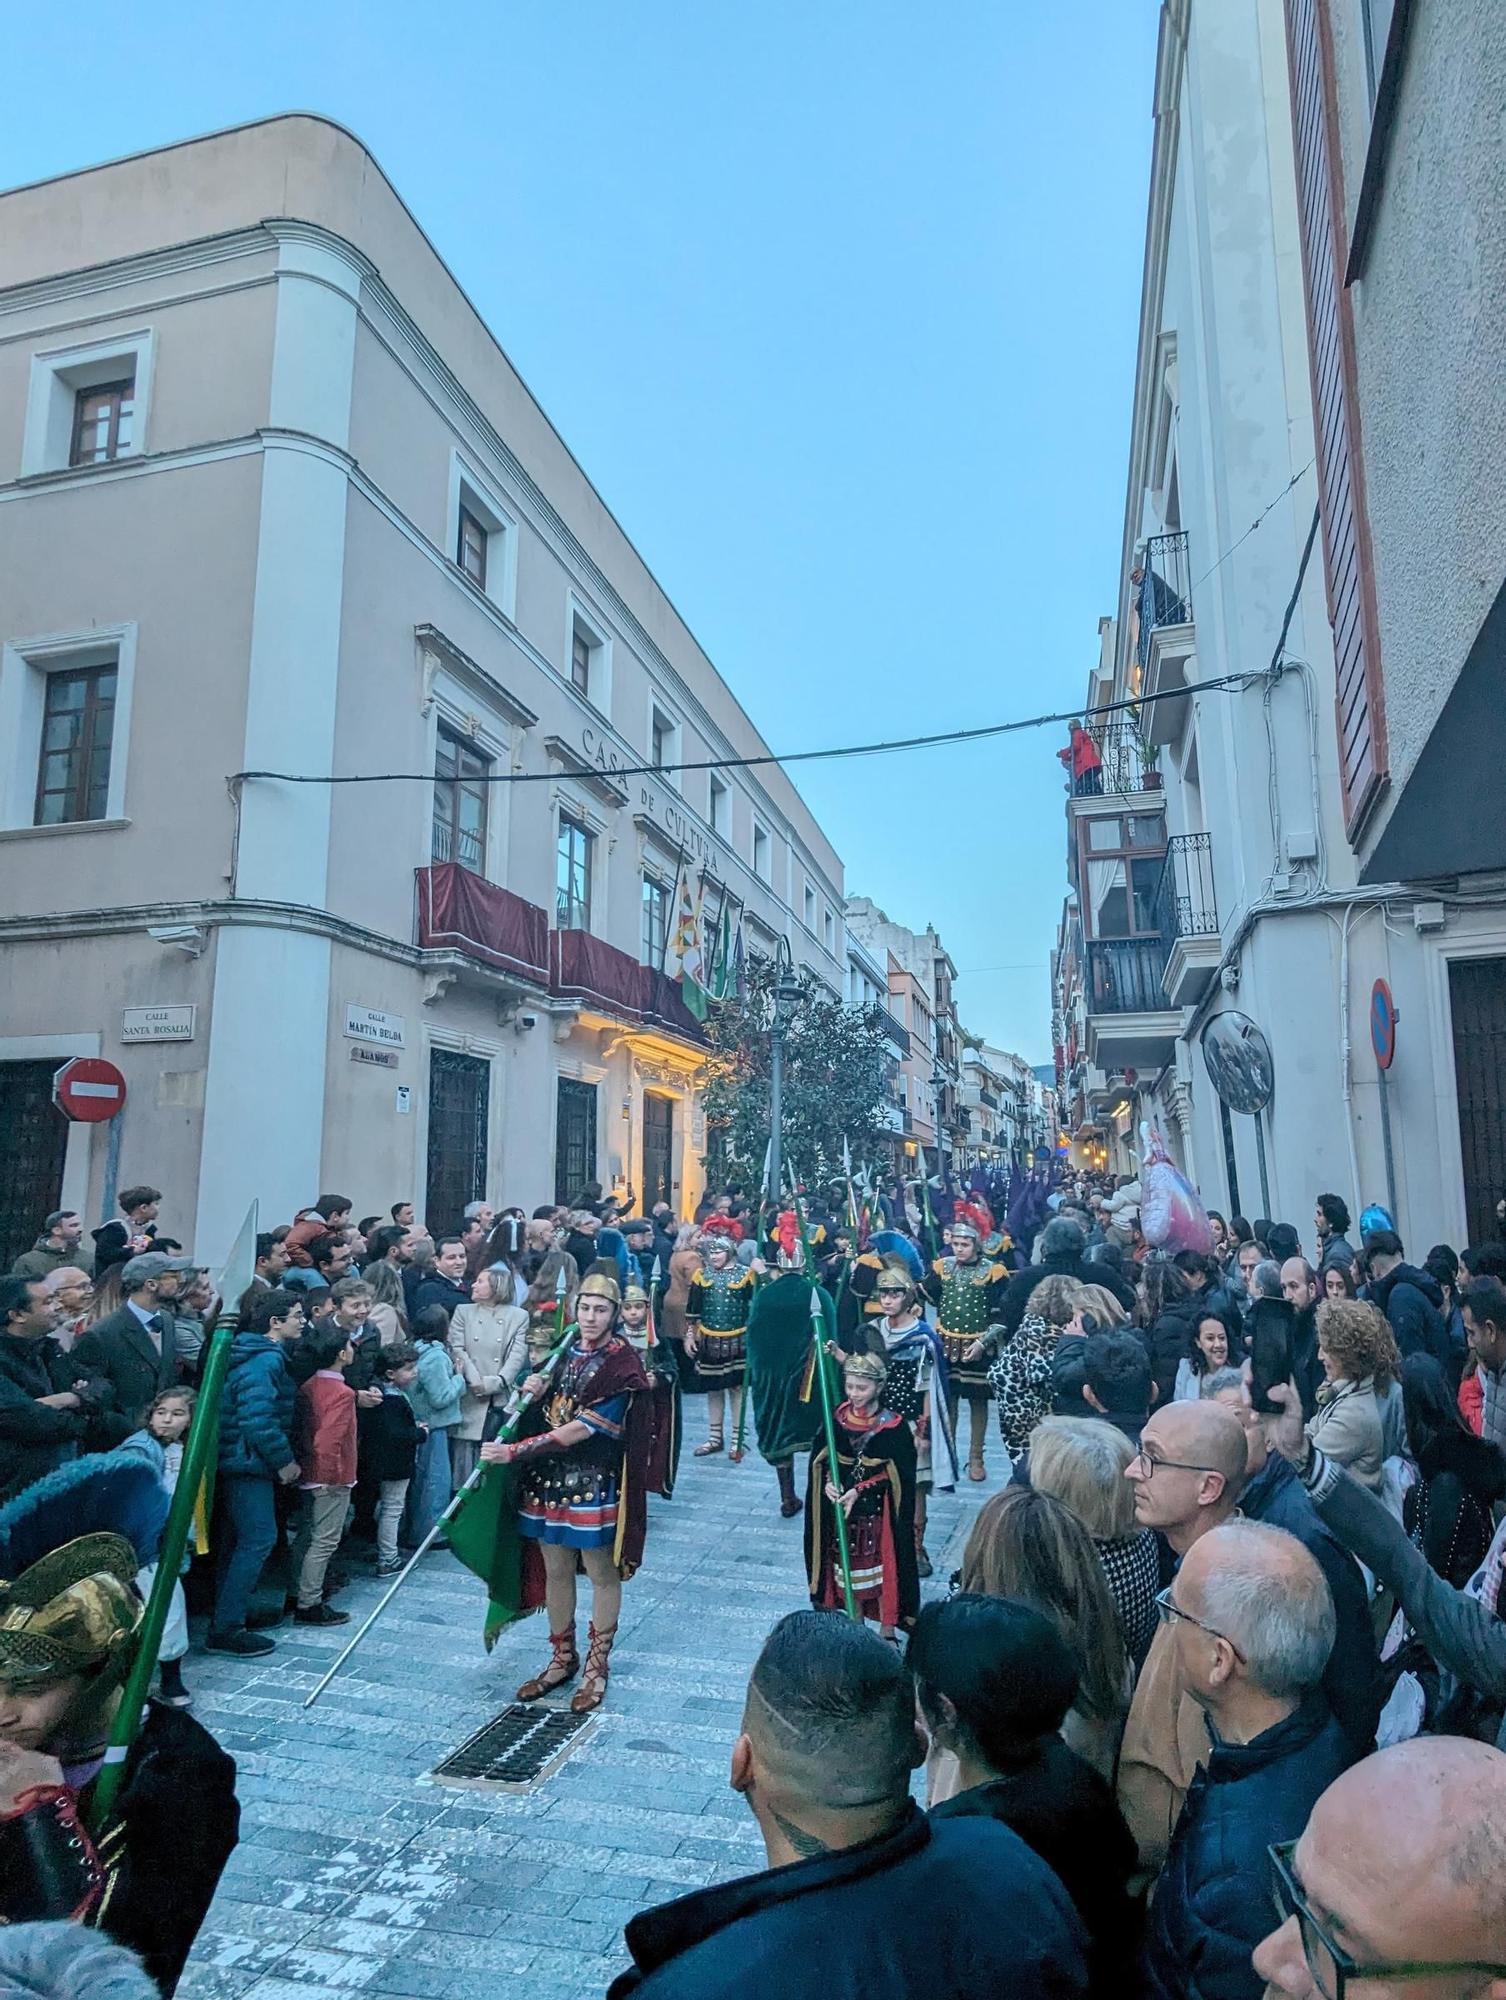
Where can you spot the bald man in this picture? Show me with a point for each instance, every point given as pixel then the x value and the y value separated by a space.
pixel 1400 1865
pixel 1252 1620
pixel 1186 1479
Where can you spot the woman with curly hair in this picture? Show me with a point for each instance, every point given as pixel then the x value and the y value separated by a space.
pixel 1028 1546
pixel 1021 1377
pixel 1360 1363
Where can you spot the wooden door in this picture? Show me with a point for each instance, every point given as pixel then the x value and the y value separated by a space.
pixel 658 1151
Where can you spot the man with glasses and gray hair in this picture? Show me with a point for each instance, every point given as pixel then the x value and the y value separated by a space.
pixel 1251 1623
pixel 1396 1889
pixel 1186 1479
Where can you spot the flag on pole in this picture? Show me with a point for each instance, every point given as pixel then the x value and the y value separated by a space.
pixel 686 952
pixel 735 988
pixel 721 956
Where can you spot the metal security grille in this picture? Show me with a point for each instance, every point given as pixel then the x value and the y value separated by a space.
pixel 515 1750
pixel 1477 991
pixel 459 1086
pixel 33 1140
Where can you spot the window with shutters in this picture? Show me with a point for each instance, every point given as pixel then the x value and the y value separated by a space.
pixel 1360 696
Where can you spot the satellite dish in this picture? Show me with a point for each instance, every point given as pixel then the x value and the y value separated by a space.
pixel 1238 1058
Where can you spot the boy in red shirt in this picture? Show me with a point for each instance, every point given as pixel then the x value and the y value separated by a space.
pixel 324 1434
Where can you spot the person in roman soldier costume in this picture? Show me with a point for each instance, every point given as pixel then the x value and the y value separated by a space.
pixel 786 1408
pixel 857 1299
pixel 910 1348
pixel 967 1289
pixel 583 1470
pixel 873 1482
pixel 716 1323
pixel 69 1624
pixel 637 1325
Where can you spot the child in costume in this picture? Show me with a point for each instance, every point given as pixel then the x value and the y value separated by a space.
pixel 873 1482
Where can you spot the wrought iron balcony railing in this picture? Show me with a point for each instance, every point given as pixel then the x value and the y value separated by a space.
pixel 1165 593
pixel 1184 902
pixel 1125 975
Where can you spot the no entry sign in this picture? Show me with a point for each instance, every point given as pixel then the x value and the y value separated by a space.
pixel 1383 1027
pixel 89 1089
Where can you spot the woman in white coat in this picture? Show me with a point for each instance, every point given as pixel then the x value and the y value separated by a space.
pixel 489 1340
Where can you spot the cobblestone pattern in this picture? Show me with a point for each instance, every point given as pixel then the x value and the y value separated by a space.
pixel 356 1873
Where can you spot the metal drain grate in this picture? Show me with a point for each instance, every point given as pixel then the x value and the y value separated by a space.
pixel 515 1750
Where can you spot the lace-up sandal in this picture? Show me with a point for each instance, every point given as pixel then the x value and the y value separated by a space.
pixel 593 1688
pixel 564 1666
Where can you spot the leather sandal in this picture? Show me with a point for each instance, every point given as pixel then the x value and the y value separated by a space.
pixel 564 1666
pixel 715 1443
pixel 592 1691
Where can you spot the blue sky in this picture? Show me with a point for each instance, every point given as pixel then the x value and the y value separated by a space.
pixel 835 300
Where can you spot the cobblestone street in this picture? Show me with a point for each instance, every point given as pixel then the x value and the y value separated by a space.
pixel 355 1873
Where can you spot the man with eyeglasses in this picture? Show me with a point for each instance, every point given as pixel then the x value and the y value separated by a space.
pixel 1396 1890
pixel 1186 1479
pixel 1252 1624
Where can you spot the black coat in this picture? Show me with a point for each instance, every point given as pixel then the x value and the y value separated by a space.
pixel 119 1349
pixel 1170 1343
pixel 1351 1682
pixel 1412 1301
pixel 1023 1283
pixel 33 1438
pixel 1208 1914
pixel 387 1438
pixel 952 1909
pixel 1065 1812
pixel 438 1290
pixel 173 1827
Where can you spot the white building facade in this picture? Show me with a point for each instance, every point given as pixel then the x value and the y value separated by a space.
pixel 1210 850
pixel 274 501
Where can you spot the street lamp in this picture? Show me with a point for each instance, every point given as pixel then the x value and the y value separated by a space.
pixel 787 997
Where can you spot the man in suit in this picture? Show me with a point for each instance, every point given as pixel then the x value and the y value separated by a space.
pixel 134 1349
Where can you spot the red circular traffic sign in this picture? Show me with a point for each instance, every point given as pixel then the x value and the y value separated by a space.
pixel 89 1089
pixel 1382 1024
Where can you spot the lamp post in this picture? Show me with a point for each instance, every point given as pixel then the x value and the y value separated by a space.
pixel 787 994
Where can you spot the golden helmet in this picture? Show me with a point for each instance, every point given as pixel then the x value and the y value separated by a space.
pixel 74 1611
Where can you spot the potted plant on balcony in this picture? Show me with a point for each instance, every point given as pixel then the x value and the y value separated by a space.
pixel 1150 763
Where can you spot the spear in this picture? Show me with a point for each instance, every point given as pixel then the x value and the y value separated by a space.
pixel 504 1436
pixel 199 1451
pixel 821 1332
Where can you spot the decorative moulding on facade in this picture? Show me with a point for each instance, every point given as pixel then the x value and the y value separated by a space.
pixel 602 783
pixel 1170 669
pixel 437 650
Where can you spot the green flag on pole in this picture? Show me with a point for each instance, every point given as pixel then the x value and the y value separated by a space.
pixel 483 1532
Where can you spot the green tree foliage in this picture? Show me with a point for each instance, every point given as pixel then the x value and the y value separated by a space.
pixel 836 1067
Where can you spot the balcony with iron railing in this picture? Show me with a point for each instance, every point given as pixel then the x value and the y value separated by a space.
pixel 1164 637
pixel 1131 1023
pixel 1186 913
pixel 472 929
pixel 1125 765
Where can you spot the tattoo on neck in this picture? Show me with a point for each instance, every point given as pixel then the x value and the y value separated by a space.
pixel 805 1844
